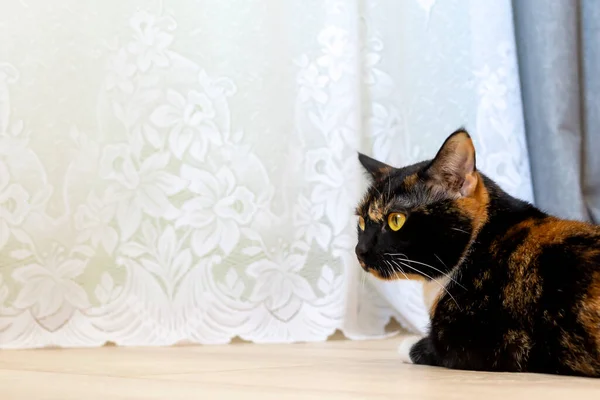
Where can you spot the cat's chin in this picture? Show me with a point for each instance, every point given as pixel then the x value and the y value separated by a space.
pixel 396 276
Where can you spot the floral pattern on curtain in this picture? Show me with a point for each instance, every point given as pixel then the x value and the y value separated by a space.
pixel 186 170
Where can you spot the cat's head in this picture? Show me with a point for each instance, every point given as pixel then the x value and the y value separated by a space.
pixel 416 222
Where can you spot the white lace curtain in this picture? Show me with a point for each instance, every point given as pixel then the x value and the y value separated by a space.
pixel 184 170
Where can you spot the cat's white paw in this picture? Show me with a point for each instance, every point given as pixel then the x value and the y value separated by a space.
pixel 405 346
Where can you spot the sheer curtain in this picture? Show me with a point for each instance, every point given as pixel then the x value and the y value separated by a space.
pixel 185 170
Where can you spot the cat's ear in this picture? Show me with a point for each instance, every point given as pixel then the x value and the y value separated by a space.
pixel 454 164
pixel 375 168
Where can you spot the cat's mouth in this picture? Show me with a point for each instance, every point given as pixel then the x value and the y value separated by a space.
pixel 375 272
pixel 363 265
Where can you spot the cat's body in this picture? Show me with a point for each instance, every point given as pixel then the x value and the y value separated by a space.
pixel 521 289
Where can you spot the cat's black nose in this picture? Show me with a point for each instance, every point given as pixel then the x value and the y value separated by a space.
pixel 360 250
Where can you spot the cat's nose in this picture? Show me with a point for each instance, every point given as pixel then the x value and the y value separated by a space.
pixel 360 250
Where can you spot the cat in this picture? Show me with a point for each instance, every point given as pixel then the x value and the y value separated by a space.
pixel 518 289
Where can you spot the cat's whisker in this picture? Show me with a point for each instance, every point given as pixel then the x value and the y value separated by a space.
pixel 434 280
pixel 427 265
pixel 377 190
pixel 466 233
pixel 386 265
pixel 390 270
pixel 440 260
pixel 406 259
pixel 455 271
pixel 400 268
pixel 460 230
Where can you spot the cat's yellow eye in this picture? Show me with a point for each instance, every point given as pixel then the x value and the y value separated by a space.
pixel 361 223
pixel 396 220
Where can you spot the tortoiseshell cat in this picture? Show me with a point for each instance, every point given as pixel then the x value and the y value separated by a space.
pixel 521 288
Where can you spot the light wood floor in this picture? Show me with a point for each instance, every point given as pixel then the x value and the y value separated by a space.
pixel 336 369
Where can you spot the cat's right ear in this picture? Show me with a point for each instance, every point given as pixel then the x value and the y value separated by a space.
pixel 454 165
pixel 375 168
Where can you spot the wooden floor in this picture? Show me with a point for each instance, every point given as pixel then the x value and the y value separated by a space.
pixel 337 369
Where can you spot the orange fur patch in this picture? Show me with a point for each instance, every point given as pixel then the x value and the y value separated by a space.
pixel 552 231
pixel 410 180
pixel 525 286
pixel 376 211
pixel 475 206
pixel 383 171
